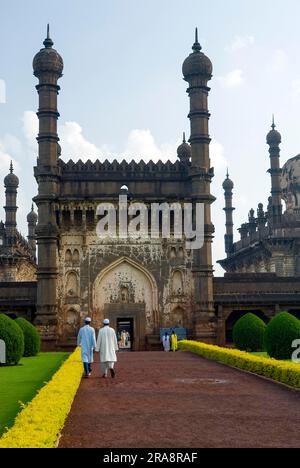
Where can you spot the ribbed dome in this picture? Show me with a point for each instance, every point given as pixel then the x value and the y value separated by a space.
pixel 32 217
pixel 48 59
pixel 273 137
pixel 197 63
pixel 228 184
pixel 11 180
pixel 184 151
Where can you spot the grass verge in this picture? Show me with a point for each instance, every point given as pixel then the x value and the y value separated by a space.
pixel 39 424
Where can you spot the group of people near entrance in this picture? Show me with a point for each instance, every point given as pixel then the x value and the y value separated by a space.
pixel 170 342
pixel 106 345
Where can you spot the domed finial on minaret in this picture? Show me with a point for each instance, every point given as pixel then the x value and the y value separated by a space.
pixel 273 137
pixel 11 167
pixel 273 123
pixel 196 47
pixel 184 151
pixel 48 60
pixel 48 43
pixel 197 63
pixel 228 185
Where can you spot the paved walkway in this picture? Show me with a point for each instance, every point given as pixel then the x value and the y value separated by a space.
pixel 161 400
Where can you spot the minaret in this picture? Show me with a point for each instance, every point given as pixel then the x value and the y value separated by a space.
pixel 32 219
pixel 274 140
pixel 48 68
pixel 228 187
pixel 197 71
pixel 11 183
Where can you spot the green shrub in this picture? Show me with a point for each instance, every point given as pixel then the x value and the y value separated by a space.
pixel 13 338
pixel 248 333
pixel 32 341
pixel 280 334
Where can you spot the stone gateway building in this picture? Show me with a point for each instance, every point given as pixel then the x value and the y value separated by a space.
pixel 144 284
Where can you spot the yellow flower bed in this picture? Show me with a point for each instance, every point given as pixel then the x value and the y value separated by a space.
pixel 282 371
pixel 39 424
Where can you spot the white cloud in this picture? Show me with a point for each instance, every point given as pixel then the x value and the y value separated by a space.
pixel 279 61
pixel 296 91
pixel 218 160
pixel 233 79
pixel 75 145
pixel 239 43
pixel 30 129
pixel 141 144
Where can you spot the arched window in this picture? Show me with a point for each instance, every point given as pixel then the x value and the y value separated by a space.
pixel 68 256
pixel 76 256
pixel 177 283
pixel 72 285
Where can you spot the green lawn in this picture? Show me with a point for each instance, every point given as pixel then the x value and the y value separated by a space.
pixel 21 383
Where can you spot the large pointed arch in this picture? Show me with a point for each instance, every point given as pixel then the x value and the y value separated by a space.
pixel 137 266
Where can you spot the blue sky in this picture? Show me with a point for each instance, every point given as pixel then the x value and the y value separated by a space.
pixel 123 94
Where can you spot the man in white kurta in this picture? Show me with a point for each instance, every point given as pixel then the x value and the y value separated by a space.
pixel 107 345
pixel 87 341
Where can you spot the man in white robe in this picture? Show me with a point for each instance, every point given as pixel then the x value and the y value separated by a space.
pixel 107 345
pixel 87 341
pixel 166 342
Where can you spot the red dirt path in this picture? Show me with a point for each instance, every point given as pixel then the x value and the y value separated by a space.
pixel 166 400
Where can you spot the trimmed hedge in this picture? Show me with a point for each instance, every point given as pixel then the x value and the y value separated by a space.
pixel 281 371
pixel 32 340
pixel 39 424
pixel 13 337
pixel 282 330
pixel 248 333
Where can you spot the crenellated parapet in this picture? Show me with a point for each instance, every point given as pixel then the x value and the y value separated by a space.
pixel 132 169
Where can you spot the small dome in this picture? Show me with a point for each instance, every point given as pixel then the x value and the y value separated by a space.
pixel 184 151
pixel 197 63
pixel 273 137
pixel 11 180
pixel 32 217
pixel 228 184
pixel 48 59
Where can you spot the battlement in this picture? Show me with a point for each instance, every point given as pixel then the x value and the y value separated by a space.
pixel 123 167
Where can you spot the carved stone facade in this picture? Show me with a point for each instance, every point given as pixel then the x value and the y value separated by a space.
pixel 155 282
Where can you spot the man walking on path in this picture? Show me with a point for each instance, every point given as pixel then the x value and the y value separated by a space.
pixel 107 345
pixel 87 341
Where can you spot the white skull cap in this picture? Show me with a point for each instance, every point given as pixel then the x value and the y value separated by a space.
pixel 106 322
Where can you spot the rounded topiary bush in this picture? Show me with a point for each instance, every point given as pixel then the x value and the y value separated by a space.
pixel 32 341
pixel 280 334
pixel 13 337
pixel 248 333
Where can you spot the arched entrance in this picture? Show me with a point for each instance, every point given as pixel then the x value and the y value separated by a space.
pixel 126 293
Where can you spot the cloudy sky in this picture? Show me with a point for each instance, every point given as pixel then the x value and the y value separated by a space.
pixel 123 95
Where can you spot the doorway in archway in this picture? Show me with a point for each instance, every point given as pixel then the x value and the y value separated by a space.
pixel 125 333
pixel 130 319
